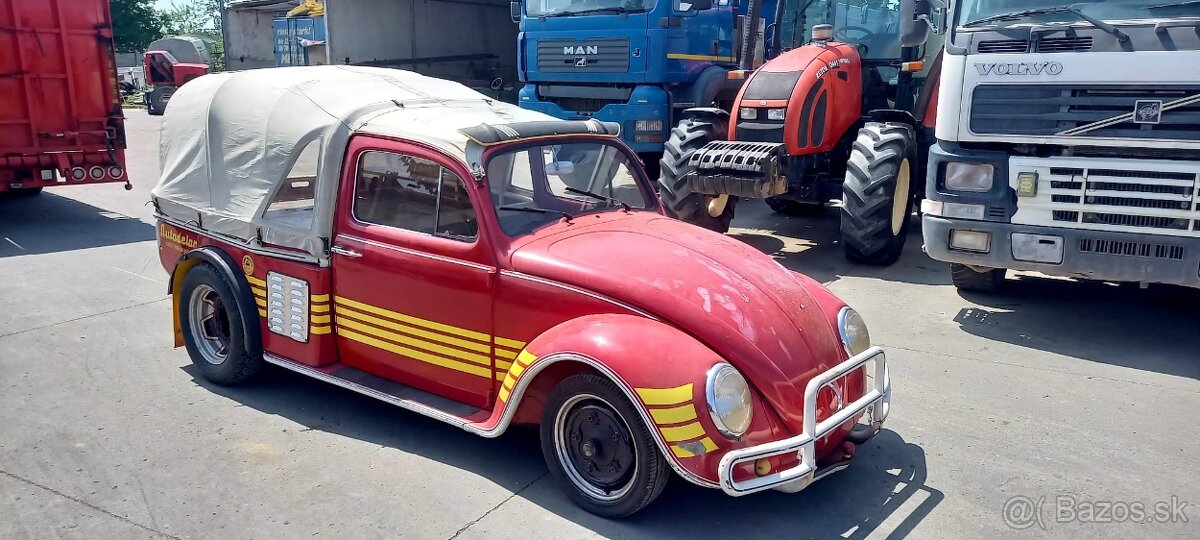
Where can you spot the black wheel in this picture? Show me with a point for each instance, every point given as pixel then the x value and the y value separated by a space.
pixel 157 104
pixel 212 328
pixel 25 192
pixel 598 449
pixel 877 195
pixel 713 213
pixel 966 278
pixel 789 207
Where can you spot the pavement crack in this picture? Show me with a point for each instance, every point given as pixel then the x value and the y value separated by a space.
pixel 87 504
pixel 498 505
pixel 76 319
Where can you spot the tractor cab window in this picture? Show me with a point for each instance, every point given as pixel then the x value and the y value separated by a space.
pixel 871 25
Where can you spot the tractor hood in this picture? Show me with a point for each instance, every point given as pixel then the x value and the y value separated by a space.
pixel 736 300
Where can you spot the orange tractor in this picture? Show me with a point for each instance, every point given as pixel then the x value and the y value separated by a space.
pixel 844 109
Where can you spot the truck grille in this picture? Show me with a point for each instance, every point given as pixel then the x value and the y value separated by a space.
pixel 1044 45
pixel 608 55
pixel 1052 109
pixel 1137 196
pixel 1144 250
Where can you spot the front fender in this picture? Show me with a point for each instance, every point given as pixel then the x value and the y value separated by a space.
pixel 662 371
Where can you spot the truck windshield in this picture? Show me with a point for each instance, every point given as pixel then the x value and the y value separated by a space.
pixel 560 8
pixel 1025 12
pixel 536 185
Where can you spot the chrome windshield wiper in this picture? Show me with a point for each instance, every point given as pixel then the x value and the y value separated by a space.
pixel 594 11
pixel 610 200
pixel 1072 9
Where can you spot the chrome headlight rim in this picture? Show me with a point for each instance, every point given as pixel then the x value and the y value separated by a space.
pixel 710 396
pixel 845 316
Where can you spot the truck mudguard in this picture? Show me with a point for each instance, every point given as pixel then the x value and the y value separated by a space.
pixel 226 266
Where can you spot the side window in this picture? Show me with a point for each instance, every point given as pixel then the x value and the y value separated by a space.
pixel 413 194
pixel 293 201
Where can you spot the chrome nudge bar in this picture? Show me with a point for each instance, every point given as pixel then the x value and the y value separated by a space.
pixel 877 399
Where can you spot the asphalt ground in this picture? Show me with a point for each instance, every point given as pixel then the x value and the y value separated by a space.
pixel 1058 404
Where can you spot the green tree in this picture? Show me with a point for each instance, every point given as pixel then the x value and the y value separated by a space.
pixel 135 24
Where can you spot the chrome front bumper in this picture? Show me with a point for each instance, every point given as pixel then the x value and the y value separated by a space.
pixel 876 400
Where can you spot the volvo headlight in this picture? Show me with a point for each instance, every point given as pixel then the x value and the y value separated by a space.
pixel 728 398
pixel 853 331
pixel 975 177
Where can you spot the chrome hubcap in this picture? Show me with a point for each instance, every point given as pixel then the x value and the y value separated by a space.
pixel 210 324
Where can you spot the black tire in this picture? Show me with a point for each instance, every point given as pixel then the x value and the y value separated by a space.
pixel 966 278
pixel 789 207
pixel 236 365
pixel 677 197
pixel 883 158
pixel 26 192
pixel 634 486
pixel 159 97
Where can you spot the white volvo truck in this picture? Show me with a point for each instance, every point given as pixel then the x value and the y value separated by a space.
pixel 1068 142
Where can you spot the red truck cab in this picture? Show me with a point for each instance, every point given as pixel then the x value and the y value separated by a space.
pixel 412 240
pixel 60 112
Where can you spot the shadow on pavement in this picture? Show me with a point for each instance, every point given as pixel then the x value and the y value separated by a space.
pixel 1100 322
pixel 884 487
pixel 48 223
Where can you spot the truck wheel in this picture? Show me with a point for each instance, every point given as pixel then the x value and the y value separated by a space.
pixel 26 192
pixel 212 328
pixel 789 207
pixel 711 212
pixel 157 105
pixel 966 278
pixel 877 193
pixel 598 449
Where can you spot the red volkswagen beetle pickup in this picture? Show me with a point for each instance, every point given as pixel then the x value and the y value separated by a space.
pixel 409 239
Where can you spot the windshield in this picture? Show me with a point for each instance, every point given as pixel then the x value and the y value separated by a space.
pixel 872 25
pixel 543 8
pixel 975 10
pixel 536 185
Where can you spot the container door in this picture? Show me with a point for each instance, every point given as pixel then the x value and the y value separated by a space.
pixel 412 277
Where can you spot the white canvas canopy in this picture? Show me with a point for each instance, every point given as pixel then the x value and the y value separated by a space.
pixel 229 141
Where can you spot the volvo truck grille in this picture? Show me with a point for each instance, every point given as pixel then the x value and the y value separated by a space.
pixel 1044 45
pixel 1121 195
pixel 1087 111
pixel 609 55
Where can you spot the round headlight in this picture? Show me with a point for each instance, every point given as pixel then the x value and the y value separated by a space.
pixel 853 331
pixel 728 398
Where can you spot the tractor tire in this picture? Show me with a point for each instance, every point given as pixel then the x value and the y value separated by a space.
pixel 789 207
pixel 966 278
pixel 157 104
pixel 877 195
pixel 712 213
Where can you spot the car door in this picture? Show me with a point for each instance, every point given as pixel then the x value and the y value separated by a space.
pixel 412 275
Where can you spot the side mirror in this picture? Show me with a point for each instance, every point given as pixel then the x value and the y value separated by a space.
pixel 914 22
pixel 695 5
pixel 514 11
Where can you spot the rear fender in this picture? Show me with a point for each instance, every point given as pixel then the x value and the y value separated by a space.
pixel 251 327
pixel 661 370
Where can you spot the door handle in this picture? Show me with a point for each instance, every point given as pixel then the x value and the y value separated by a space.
pixel 346 252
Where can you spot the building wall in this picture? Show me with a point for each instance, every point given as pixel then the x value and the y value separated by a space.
pixel 249 42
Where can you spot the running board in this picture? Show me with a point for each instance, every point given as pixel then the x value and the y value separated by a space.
pixel 385 390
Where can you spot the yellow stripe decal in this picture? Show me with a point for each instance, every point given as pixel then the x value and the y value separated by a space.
pixel 500 376
pixel 510 343
pixel 262 313
pixel 415 354
pixel 502 365
pixel 503 353
pixel 258 292
pixel 418 343
pixel 457 342
pixel 471 334
pixel 319 297
pixel 509 383
pixel 681 451
pixel 255 281
pixel 682 433
pixel 504 393
pixel 320 330
pixel 674 415
pixel 525 358
pixel 262 302
pixel 699 57
pixel 321 319
pixel 666 396
pixel 320 308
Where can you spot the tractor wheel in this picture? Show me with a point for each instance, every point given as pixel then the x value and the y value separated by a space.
pixel 711 212
pixel 877 195
pixel 157 105
pixel 789 207
pixel 966 278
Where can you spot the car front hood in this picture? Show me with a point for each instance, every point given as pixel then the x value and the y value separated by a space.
pixel 733 298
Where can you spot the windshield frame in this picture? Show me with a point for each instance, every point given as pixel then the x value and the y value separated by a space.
pixel 959 10
pixel 633 164
pixel 645 7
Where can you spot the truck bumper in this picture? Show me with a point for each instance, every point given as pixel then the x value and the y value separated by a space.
pixel 646 103
pixel 1086 254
